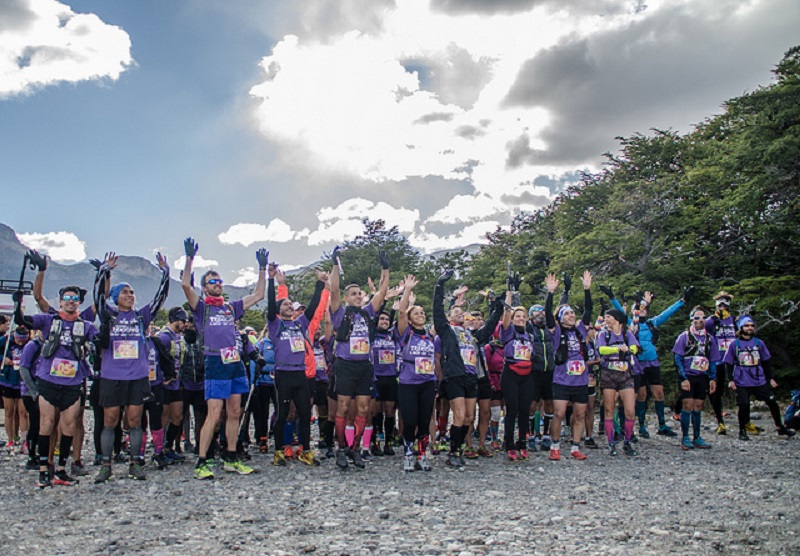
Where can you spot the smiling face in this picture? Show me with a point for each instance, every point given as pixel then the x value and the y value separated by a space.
pixel 383 322
pixel 568 318
pixel 127 299
pixel 698 320
pixel 212 284
pixel 519 317
pixel 70 301
pixel 456 316
pixel 611 322
pixel 353 295
pixel 286 311
pixel 416 316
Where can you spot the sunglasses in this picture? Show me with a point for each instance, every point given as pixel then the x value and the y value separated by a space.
pixel 214 281
pixel 70 298
pixel 698 318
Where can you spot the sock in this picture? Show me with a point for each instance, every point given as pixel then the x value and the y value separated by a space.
pixel 546 427
pixel 158 441
pixel 641 411
pixel 537 421
pixel 330 427
pixel 423 444
pixel 455 441
pixel 377 423
pixel 44 449
pixel 340 432
pixel 575 448
pixel 64 448
pixel 350 435
pixel 322 423
pixel 367 438
pixel 408 447
pixel 107 438
pixel 288 433
pixel 494 432
pixel 442 425
pixel 532 423
pixel 464 434
pixel 744 416
pixel 556 446
pixel 136 440
pixel 608 424
pixel 388 428
pixel 629 429
pixel 360 423
pixel 173 431
pixel 696 416
pixel 686 417
pixel 616 422
pixel 659 407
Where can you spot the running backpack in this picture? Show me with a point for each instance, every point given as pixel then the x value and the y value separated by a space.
pixel 792 415
pixel 562 353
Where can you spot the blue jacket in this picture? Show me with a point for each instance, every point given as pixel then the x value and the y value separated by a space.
pixel 645 335
pixel 265 348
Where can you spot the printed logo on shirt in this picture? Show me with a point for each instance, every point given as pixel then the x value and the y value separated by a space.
pixel 126 349
pixel 296 343
pixel 229 355
pixel 64 368
pixel 423 365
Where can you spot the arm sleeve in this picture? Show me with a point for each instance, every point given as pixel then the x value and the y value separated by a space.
pixel 607 350
pixel 667 313
pixel 485 333
pixel 712 370
pixel 272 307
pixel 439 316
pixel 617 305
pixel 767 366
pixel 550 320
pixel 316 309
pixel 25 373
pixel 588 307
pixel 679 366
pixel 564 299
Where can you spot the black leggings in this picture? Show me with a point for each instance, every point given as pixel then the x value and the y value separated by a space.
pixel 32 407
pixel 292 386
pixel 518 394
pixel 415 402
pixel 263 397
pixel 716 400
pixel 197 400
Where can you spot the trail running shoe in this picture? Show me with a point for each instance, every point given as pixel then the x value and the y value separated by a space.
pixel 590 443
pixel 664 430
pixel 783 431
pixel 204 472
pixel 629 450
pixel 329 453
pixel 375 450
pixel 513 455
pixel 485 452
pixel 555 454
pixel 136 472
pixel 424 464
pixel 409 461
pixel 750 428
pixel 743 436
pixel 524 455
pixel 161 461
pixel 278 459
pixel 687 443
pixel 643 432
pixel 44 480
pixel 722 429
pixel 358 461
pixel 578 455
pixel 236 466
pixel 454 461
pixel 308 458
pixel 62 479
pixel 77 469
pixel 341 458
pixel 700 443
pixel 288 453
pixel 366 456
pixel 103 475
pixel 545 444
pixel 387 449
pixel 612 450
pixel 471 453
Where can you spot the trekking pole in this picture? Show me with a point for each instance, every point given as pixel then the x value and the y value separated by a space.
pixel 26 261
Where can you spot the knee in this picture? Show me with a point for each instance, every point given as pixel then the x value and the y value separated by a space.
pixel 494 413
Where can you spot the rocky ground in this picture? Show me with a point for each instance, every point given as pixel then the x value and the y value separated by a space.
pixel 737 498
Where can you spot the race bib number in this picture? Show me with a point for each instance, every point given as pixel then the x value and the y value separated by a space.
pixel 468 355
pixel 617 365
pixel 320 362
pixel 724 344
pixel 296 343
pixel 151 376
pixel 522 352
pixel 749 358
pixel 64 368
pixel 126 349
pixel 359 346
pixel 230 355
pixel 576 368
pixel 699 364
pixel 386 357
pixel 15 363
pixel 423 365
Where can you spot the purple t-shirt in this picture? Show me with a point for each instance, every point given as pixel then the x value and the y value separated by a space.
pixel 27 360
pixel 217 326
pixel 172 342
pixel 702 351
pixel 321 363
pixel 125 358
pixel 616 361
pixel 517 346
pixel 417 358
pixel 357 346
pixel 288 338
pixel 62 367
pixel 383 354
pixel 746 357
pixel 574 371
pixel 725 333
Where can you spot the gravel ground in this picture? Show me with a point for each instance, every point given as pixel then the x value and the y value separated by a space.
pixel 737 498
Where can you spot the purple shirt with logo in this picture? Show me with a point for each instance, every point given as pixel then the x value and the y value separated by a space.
pixel 725 332
pixel 62 368
pixel 696 363
pixel 28 359
pixel 172 342
pixel 617 361
pixel 126 356
pixel 574 371
pixel 219 329
pixel 357 346
pixel 746 357
pixel 384 357
pixel 289 340
pixel 418 357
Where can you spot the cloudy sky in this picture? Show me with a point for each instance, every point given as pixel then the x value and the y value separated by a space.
pixel 128 125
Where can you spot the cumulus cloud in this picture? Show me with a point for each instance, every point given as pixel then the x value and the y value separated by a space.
pixel 199 262
pixel 344 222
pixel 471 234
pixel 277 231
pixel 62 247
pixel 43 42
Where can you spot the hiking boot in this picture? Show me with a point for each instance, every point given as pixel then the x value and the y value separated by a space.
pixel 204 472
pixel 236 466
pixel 278 459
pixel 387 449
pixel 308 458
pixel 358 461
pixel 722 429
pixel 136 471
pixel 409 461
pixel 700 443
pixel 687 443
pixel 590 443
pixel 750 428
pixel 103 475
pixel 44 480
pixel 77 469
pixel 664 430
pixel 424 464
pixel 62 479
pixel 629 450
pixel 341 458
pixel 161 461
pixel 783 431
pixel 743 435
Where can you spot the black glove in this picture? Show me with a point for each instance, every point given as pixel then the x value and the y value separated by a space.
pixel 96 263
pixel 688 293
pixel 383 258
pixel 335 254
pixel 17 296
pixel 262 256
pixel 260 362
pixel 638 296
pixel 608 291
pixel 517 281
pixel 567 282
pixel 445 276
pixel 105 316
pixel 603 307
pixel 38 259
pixel 190 247
pixel 623 297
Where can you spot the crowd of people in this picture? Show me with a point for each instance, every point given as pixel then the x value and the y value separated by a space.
pixel 370 368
